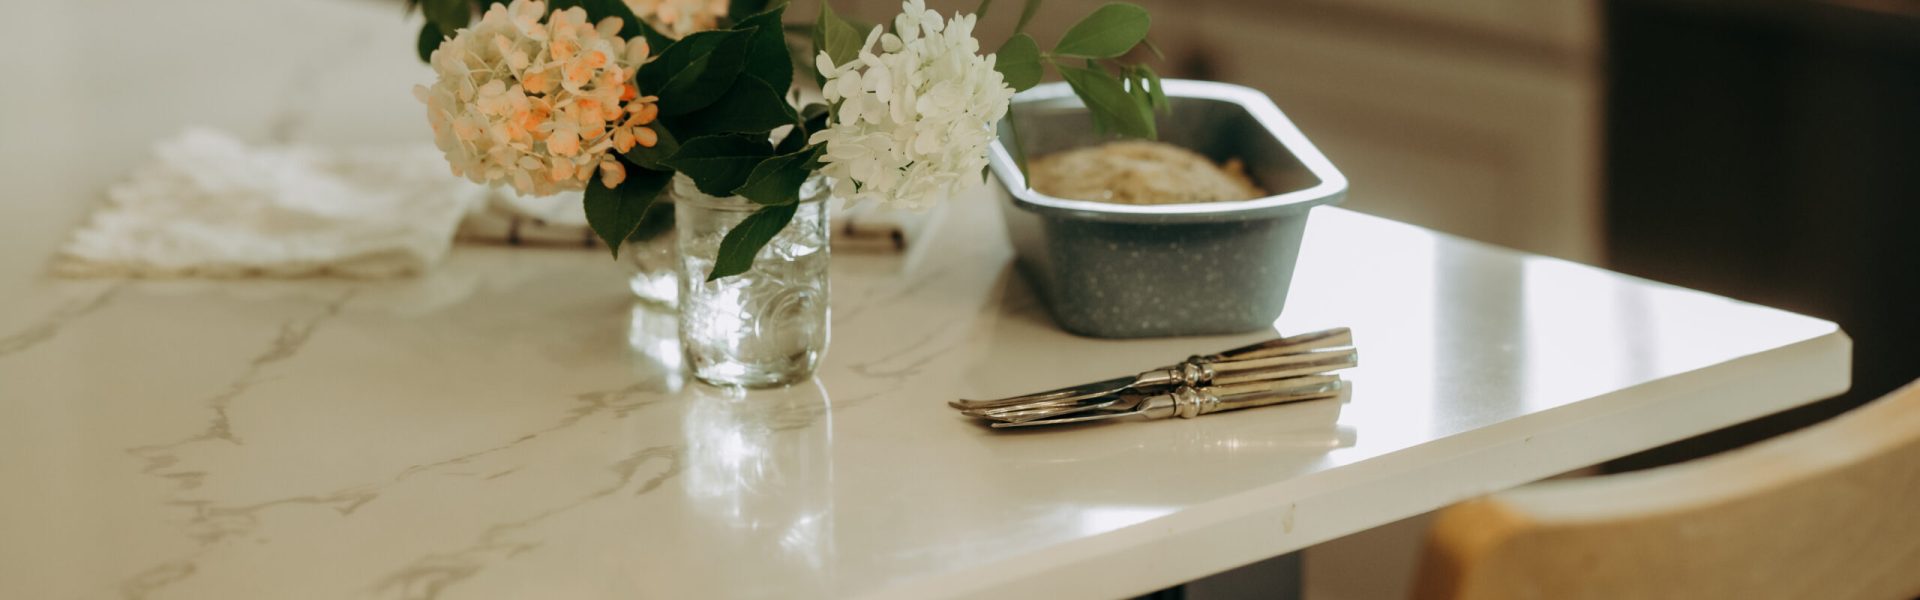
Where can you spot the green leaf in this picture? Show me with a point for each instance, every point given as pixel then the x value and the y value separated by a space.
pixel 777 180
pixel 1107 33
pixel 750 106
pixel 1018 151
pixel 430 38
pixel 695 71
pixel 655 157
pixel 676 57
pixel 737 250
pixel 720 164
pixel 1112 107
pixel 1155 49
pixel 448 15
pixel 768 58
pixel 1026 15
pixel 981 10
pixel 813 118
pixel 1159 92
pixel 707 77
pixel 1018 61
pixel 836 37
pixel 615 214
pixel 815 111
pixel 1136 83
pixel 739 11
pixel 1143 102
pixel 658 220
pixel 630 26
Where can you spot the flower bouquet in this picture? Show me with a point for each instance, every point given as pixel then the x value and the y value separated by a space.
pixel 620 98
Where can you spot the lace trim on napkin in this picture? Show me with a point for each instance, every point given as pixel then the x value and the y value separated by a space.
pixel 209 205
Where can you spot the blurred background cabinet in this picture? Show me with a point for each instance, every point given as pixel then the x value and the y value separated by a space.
pixel 1474 118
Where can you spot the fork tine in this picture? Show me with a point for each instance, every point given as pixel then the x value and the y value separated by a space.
pixel 1045 405
pixel 989 412
pixel 1065 394
pixel 1070 419
pixel 1047 412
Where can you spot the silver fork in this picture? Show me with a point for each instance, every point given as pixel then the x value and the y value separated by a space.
pixel 1222 374
pixel 1189 402
pixel 1195 371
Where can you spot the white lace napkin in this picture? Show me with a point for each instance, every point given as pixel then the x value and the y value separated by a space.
pixel 209 205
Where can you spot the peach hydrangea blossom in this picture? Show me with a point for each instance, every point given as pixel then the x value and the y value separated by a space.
pixel 538 105
pixel 677 18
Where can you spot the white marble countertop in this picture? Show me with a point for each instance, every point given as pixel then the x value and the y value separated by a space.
pixel 512 426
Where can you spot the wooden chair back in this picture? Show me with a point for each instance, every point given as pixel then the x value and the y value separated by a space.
pixel 1831 511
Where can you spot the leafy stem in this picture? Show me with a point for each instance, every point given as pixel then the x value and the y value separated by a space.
pixel 1123 104
pixel 1026 15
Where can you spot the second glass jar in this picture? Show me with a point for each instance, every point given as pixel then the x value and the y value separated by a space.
pixel 651 257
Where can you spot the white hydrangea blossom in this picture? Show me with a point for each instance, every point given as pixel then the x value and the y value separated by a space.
pixel 535 104
pixel 913 122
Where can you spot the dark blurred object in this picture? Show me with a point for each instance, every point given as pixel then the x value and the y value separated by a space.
pixel 1770 151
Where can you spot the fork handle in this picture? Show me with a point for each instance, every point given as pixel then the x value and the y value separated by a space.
pixel 1191 402
pixel 1299 364
pixel 1335 390
pixel 1200 373
pixel 1329 338
pixel 1190 373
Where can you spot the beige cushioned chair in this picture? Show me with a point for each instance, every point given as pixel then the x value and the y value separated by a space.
pixel 1831 511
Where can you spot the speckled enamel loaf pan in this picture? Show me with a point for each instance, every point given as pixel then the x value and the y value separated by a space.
pixel 1131 271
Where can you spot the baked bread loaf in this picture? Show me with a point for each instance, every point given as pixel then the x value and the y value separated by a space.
pixel 1140 172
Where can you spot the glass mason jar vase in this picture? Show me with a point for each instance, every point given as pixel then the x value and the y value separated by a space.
pixel 763 328
pixel 651 256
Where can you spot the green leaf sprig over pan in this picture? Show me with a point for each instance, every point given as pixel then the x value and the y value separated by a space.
pixel 1122 97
